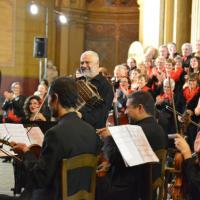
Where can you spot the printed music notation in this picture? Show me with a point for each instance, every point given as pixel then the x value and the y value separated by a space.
pixel 133 145
pixel 35 135
pixel 17 133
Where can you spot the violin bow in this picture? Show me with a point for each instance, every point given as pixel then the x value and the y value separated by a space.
pixel 7 152
pixel 36 114
pixel 173 105
pixel 181 115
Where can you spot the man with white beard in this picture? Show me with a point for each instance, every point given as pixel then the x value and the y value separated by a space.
pixel 89 68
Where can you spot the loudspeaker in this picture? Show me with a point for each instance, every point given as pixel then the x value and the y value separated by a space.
pixel 40 47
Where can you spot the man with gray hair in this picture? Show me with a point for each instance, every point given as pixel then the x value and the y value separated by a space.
pixel 163 51
pixel 89 64
pixel 186 55
pixel 164 101
pixel 89 68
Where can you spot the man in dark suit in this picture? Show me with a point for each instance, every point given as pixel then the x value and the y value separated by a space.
pixel 126 182
pixel 98 114
pixel 70 137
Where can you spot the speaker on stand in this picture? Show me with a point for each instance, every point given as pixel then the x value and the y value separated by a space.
pixel 40 51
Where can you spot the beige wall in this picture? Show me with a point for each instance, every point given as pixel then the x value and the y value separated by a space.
pixel 22 66
pixel 65 42
pixel 108 28
pixel 24 28
pixel 7 33
pixel 70 38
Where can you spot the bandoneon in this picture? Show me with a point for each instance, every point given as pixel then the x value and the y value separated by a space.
pixel 88 94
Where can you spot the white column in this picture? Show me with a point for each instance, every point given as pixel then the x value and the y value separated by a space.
pixel 195 28
pixel 151 22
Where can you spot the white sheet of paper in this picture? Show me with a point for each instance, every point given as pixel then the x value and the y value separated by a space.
pixel 133 144
pixel 17 133
pixel 35 135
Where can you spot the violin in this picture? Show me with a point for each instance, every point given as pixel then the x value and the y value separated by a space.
pixel 177 186
pixel 35 148
pixel 117 118
pixel 185 117
pixel 102 165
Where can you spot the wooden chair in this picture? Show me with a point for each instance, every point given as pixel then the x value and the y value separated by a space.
pixel 80 161
pixel 160 181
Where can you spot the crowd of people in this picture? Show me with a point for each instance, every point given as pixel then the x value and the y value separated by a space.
pixel 142 92
pixel 18 108
pixel 172 79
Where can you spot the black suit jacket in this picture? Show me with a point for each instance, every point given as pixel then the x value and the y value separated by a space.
pixel 191 173
pixel 129 180
pixel 16 105
pixel 70 137
pixel 186 63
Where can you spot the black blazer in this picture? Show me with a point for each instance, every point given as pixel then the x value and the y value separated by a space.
pixel 70 137
pixel 16 105
pixel 128 180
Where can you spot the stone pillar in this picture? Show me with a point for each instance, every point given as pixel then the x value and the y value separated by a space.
pixel 182 22
pixel 161 22
pixel 195 28
pixel 141 19
pixel 151 22
pixel 70 37
pixel 168 21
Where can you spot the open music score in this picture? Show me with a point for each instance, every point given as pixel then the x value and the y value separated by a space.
pixel 17 133
pixel 133 145
pixel 35 135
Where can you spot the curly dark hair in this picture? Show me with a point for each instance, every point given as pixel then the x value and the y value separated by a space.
pixel 27 103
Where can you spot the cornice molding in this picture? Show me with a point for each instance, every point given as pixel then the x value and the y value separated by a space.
pixel 106 18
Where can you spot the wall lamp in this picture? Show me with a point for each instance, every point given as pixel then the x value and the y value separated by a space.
pixel 34 9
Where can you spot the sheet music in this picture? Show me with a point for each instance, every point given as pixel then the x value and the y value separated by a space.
pixel 133 145
pixel 35 135
pixel 17 133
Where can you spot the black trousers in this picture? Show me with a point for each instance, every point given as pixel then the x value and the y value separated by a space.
pixel 107 191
